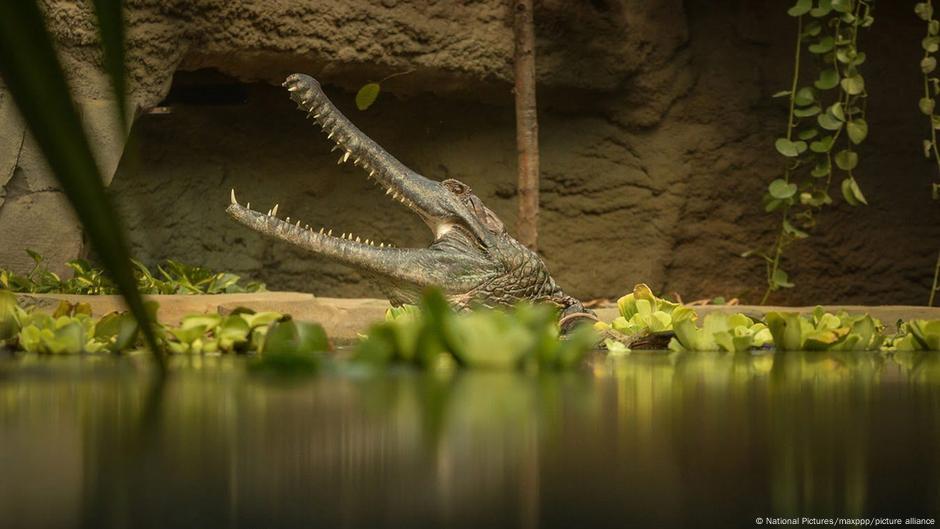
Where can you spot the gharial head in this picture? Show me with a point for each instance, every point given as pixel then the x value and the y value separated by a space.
pixel 471 258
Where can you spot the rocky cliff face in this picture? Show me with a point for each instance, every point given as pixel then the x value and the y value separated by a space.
pixel 656 129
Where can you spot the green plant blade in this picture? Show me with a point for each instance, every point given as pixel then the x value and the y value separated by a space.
pixel 111 31
pixel 34 77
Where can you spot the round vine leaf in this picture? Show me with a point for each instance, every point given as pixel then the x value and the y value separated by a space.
pixel 852 193
pixel 800 8
pixel 367 95
pixel 848 18
pixel 933 27
pixel 812 29
pixel 926 105
pixel 824 45
pixel 808 134
pixel 788 148
pixel 930 44
pixel 836 111
pixel 806 112
pixel 924 10
pixel 846 160
pixel 828 122
pixel 804 96
pixel 935 121
pixel 858 130
pixel 793 231
pixel 853 85
pixel 825 6
pixel 928 64
pixel 780 279
pixel 781 190
pixel 822 168
pixel 821 145
pixel 842 6
pixel 828 79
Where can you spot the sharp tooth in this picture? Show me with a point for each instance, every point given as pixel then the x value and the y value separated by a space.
pixel 287 220
pixel 298 223
pixel 388 191
pixel 346 156
pixel 293 88
pixel 248 205
pixel 343 236
pixel 381 245
pixel 372 172
pixel 321 230
pixel 339 161
pixel 332 132
pixel 269 212
pixel 274 211
pixel 330 233
pixel 233 196
pixel 357 239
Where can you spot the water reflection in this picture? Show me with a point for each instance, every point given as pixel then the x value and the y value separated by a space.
pixel 647 439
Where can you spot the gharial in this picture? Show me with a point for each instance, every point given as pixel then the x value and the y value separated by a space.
pixel 472 259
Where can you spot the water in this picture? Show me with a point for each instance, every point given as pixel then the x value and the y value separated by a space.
pixel 648 440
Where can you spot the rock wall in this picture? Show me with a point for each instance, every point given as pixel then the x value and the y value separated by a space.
pixel 656 127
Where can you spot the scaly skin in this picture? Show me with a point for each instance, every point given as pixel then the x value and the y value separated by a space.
pixel 472 259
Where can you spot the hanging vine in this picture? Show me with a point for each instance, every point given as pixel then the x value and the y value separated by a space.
pixel 825 124
pixel 928 64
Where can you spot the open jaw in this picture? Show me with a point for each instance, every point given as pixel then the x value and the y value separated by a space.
pixel 377 257
pixel 419 194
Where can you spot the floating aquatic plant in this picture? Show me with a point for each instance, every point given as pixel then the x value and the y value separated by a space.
pixel 719 332
pixel 432 335
pixel 825 331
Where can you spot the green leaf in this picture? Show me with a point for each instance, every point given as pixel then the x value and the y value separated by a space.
pixel 790 149
pixel 924 10
pixel 825 6
pixel 930 44
pixel 804 96
pixel 853 85
pixel 33 75
pixel 822 168
pixel 812 29
pixel 828 122
pixel 800 8
pixel 928 145
pixel 822 145
pixel 828 79
pixel 781 190
pixel 782 93
pixel 793 231
pixel 933 27
pixel 928 64
pixel 781 279
pixel 805 112
pixel 926 105
pixel 852 193
pixel 111 31
pixel 824 45
pixel 836 111
pixel 367 95
pixel 842 6
pixel 846 160
pixel 858 130
pixel 808 134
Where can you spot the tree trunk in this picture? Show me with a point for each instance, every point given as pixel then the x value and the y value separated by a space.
pixel 527 125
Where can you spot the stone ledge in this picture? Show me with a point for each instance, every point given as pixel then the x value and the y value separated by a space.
pixel 343 318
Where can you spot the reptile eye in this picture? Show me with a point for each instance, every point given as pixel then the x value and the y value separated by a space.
pixel 456 187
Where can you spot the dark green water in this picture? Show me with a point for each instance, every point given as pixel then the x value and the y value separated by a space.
pixel 698 440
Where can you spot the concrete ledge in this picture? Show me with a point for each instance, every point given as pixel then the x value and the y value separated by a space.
pixel 343 318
